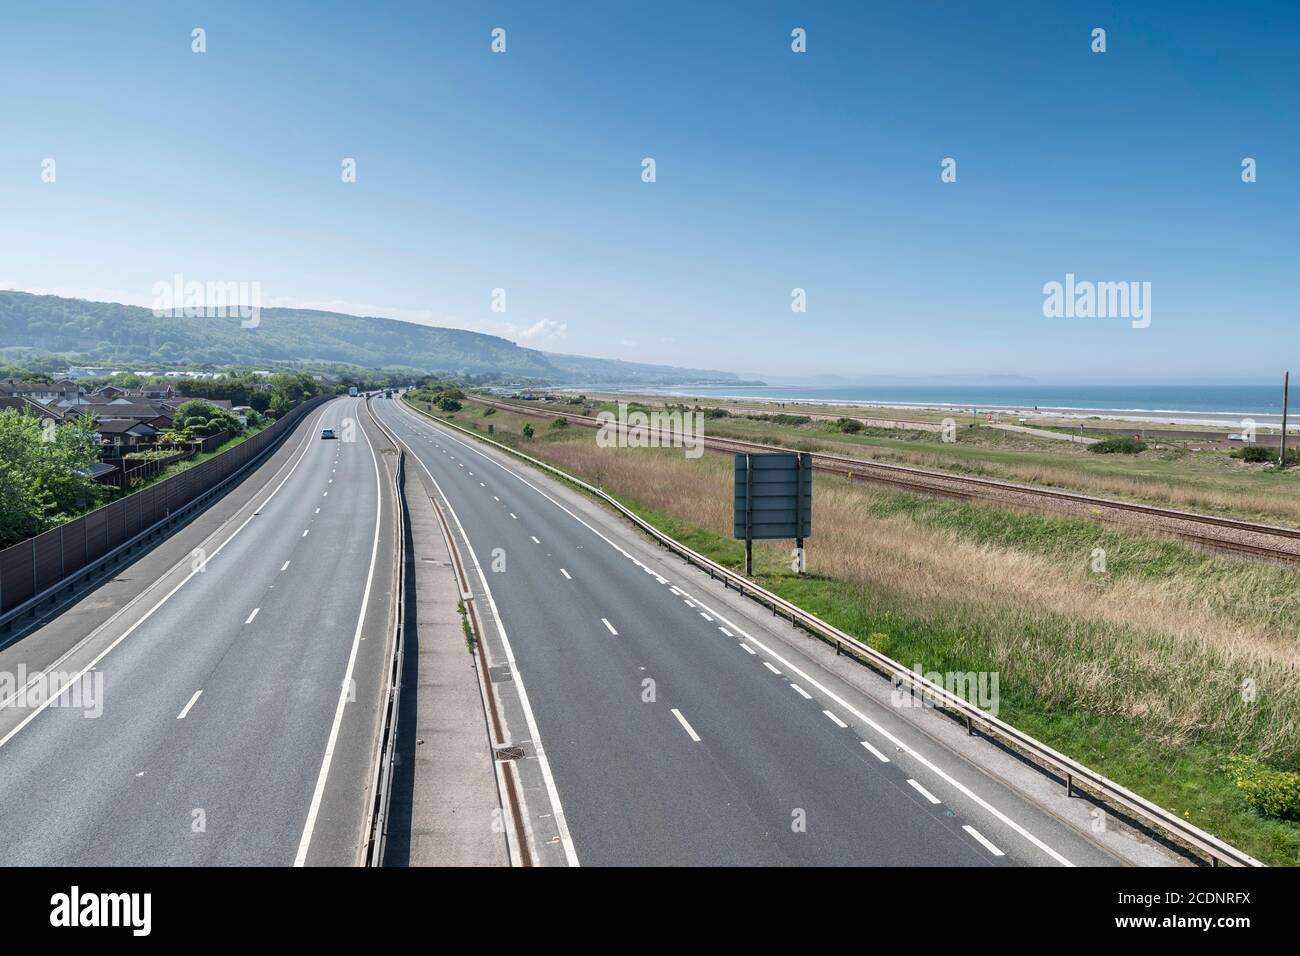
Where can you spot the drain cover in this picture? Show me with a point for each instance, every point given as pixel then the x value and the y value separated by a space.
pixel 510 753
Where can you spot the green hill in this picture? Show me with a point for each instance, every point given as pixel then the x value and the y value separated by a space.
pixel 106 333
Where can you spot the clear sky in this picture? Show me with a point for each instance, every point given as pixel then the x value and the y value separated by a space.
pixel 775 170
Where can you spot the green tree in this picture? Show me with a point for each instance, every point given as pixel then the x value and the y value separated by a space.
pixel 44 474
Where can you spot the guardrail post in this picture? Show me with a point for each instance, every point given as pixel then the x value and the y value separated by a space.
pixel 1069 784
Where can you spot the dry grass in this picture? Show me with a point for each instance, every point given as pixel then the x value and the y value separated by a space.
pixel 1172 649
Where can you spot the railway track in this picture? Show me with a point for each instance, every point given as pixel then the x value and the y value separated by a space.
pixel 1270 542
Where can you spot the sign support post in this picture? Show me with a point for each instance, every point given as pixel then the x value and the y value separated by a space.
pixel 749 516
pixel 799 563
pixel 1286 391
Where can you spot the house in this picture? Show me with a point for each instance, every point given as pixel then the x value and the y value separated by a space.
pixel 117 436
pixel 47 393
pixel 159 417
pixel 29 406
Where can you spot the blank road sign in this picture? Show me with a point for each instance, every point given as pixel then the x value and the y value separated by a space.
pixel 781 502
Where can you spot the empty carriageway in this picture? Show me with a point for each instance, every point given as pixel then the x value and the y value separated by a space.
pixel 240 687
pixel 673 728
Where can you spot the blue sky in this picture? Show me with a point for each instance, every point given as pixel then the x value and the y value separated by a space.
pixel 775 170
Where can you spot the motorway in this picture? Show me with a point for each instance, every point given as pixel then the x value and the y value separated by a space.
pixel 666 724
pixel 233 678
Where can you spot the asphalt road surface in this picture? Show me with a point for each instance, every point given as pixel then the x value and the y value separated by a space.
pixel 239 696
pixel 678 731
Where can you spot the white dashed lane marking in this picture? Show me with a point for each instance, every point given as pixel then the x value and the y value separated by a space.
pixel 922 791
pixel 686 726
pixel 878 755
pixel 983 839
pixel 186 709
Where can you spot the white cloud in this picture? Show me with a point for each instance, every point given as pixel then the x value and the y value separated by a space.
pixel 543 330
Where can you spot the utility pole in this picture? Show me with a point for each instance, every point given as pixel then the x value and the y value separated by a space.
pixel 1286 389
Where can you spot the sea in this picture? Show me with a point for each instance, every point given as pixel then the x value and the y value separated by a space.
pixel 1219 404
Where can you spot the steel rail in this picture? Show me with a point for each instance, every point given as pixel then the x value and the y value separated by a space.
pixel 910 477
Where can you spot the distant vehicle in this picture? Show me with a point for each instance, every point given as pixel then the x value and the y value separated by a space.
pixel 328 433
pixel 388 393
pixel 1238 437
pixel 352 390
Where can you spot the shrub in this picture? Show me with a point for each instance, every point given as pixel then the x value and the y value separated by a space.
pixel 560 423
pixel 849 425
pixel 449 404
pixel 1274 793
pixel 1260 454
pixel 1255 453
pixel 1124 444
pixel 489 411
pixel 782 419
pixel 716 413
pixel 528 431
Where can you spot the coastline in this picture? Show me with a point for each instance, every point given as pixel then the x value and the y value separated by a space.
pixel 1076 414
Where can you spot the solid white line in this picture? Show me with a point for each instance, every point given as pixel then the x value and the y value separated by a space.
pixel 73 681
pixel 689 729
pixel 253 615
pixel 801 692
pixel 983 839
pixel 900 744
pixel 566 574
pixel 725 631
pixel 835 720
pixel 539 753
pixel 284 566
pixel 305 843
pixel 879 756
pixel 186 709
pixel 605 621
pixel 747 649
pixel 923 792
pixel 771 668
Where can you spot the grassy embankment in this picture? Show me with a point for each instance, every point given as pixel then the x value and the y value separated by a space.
pixel 1138 672
pixel 1173 476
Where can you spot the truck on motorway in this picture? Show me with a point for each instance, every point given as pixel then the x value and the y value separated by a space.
pixel 352 390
